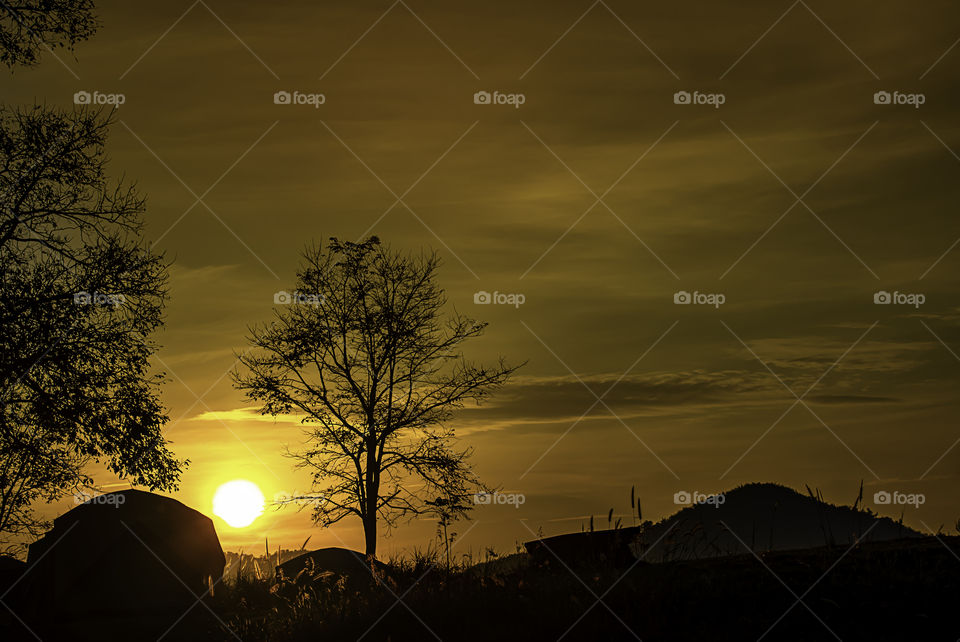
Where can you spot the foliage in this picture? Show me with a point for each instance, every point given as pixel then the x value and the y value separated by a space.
pixel 80 297
pixel 366 356
pixel 28 27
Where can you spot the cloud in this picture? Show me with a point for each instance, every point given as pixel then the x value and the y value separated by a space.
pixel 246 415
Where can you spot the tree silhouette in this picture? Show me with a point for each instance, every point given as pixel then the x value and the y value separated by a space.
pixel 365 354
pixel 28 27
pixel 80 298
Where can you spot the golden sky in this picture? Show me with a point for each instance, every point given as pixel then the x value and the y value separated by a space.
pixel 598 198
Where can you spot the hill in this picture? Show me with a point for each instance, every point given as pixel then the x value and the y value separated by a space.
pixel 754 517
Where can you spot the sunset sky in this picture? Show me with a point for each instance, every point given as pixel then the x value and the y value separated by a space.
pixel 798 198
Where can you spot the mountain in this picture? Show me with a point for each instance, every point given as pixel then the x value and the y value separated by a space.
pixel 754 517
pixel 762 517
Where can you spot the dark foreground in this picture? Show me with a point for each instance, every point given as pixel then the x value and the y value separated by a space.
pixel 904 590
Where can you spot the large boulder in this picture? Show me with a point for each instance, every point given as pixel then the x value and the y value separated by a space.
pixel 334 565
pixel 129 556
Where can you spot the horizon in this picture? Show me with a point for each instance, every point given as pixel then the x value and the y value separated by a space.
pixel 706 294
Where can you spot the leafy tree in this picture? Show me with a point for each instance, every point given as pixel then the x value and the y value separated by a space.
pixel 80 297
pixel 28 27
pixel 366 355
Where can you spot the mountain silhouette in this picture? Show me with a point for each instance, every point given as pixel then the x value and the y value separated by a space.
pixel 754 517
pixel 763 517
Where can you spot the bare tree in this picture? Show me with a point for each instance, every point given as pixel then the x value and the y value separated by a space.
pixel 28 27
pixel 80 297
pixel 366 355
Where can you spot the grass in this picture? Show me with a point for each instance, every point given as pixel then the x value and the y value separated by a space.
pixel 903 590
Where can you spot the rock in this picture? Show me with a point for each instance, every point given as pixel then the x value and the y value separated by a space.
pixel 127 556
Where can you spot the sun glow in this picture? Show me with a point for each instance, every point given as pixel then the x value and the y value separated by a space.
pixel 238 503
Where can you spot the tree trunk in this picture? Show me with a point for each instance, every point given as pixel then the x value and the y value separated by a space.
pixel 370 533
pixel 373 492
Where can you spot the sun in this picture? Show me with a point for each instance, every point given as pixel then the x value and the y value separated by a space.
pixel 238 502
